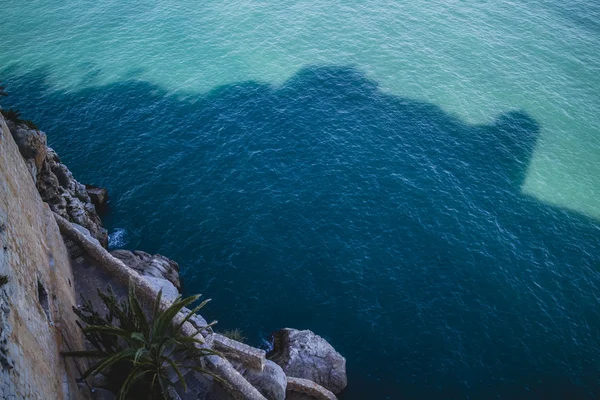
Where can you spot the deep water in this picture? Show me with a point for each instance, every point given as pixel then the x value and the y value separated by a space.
pixel 393 229
pixel 417 182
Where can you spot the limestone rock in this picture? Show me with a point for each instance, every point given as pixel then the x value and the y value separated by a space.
pixel 36 322
pixel 198 322
pixel 303 389
pixel 169 291
pixel 86 232
pixel 98 195
pixel 67 197
pixel 74 250
pixel 302 354
pixel 271 382
pixel 32 143
pixel 150 265
pixel 55 183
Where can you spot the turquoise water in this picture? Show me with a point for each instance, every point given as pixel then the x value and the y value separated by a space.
pixel 418 182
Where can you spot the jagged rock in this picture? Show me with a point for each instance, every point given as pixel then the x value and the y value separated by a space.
pixel 271 382
pixel 55 183
pixel 98 195
pixel 67 197
pixel 302 354
pixel 150 265
pixel 32 143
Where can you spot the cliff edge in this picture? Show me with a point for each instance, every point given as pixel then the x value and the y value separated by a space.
pixel 36 318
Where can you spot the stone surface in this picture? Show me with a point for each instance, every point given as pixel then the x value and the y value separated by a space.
pixel 32 143
pixel 55 183
pixel 303 389
pixel 271 381
pixel 302 354
pixel 36 318
pixel 98 195
pixel 169 291
pixel 233 350
pixel 198 322
pixel 150 265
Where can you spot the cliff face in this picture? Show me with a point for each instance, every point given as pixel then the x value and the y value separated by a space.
pixel 36 318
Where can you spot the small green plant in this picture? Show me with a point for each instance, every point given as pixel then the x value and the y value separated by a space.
pixel 15 116
pixel 30 124
pixel 234 334
pixel 135 353
pixel 3 280
pixel 12 115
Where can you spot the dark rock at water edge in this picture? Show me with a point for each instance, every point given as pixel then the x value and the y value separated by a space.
pixel 302 354
pixel 99 197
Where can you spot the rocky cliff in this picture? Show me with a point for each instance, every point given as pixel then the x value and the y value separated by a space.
pixel 36 321
pixel 55 183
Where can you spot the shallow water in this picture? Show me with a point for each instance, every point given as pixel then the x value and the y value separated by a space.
pixel 418 182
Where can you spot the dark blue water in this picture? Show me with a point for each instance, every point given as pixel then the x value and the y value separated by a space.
pixel 396 231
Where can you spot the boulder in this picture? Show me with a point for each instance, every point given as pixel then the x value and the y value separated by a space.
pixel 98 196
pixel 271 382
pixel 150 265
pixel 302 354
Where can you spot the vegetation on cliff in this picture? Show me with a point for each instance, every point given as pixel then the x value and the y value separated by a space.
pixel 235 334
pixel 138 354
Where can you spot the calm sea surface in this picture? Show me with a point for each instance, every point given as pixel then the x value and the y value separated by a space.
pixel 416 181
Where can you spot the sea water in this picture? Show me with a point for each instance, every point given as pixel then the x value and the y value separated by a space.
pixel 416 181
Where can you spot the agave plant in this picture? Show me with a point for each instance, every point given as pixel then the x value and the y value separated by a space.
pixel 133 351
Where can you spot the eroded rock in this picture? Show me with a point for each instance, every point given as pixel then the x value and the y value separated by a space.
pixel 98 195
pixel 150 265
pixel 55 183
pixel 302 354
pixel 32 143
pixel 271 382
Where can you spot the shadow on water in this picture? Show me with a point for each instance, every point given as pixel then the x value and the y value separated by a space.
pixel 393 229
